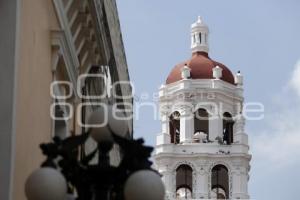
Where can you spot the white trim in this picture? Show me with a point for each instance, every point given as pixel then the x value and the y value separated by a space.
pixel 59 40
pixel 80 46
pixel 55 58
pixel 69 4
pixel 73 18
pixel 84 57
pixel 67 32
pixel 77 33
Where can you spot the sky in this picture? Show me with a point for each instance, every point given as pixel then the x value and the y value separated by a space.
pixel 260 38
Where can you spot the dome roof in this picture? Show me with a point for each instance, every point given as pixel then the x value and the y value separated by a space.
pixel 201 68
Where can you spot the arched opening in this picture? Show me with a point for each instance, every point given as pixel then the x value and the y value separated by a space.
pixel 175 127
pixel 184 182
pixel 201 123
pixel 200 38
pixel 219 182
pixel 194 39
pixel 227 128
pixel 60 125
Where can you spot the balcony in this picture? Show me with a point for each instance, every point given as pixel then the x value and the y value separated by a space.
pixel 196 149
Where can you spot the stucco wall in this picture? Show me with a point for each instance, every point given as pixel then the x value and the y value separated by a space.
pixel 33 123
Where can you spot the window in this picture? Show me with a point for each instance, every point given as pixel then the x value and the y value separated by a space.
pixel 184 182
pixel 227 128
pixel 60 125
pixel 219 182
pixel 175 127
pixel 200 38
pixel 201 122
pixel 194 38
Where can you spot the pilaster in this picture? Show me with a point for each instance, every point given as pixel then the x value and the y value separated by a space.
pixel 215 127
pixel 186 126
pixel 239 131
pixel 201 188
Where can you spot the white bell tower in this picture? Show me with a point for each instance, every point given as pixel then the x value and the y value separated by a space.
pixel 202 151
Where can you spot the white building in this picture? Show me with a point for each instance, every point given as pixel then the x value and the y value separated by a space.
pixel 202 151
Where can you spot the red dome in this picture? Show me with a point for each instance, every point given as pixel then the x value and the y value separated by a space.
pixel 201 68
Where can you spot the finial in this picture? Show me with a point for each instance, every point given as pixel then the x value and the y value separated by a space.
pixel 217 72
pixel 185 72
pixel 238 79
pixel 199 36
pixel 199 19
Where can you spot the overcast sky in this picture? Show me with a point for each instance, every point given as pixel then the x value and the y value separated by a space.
pixel 260 38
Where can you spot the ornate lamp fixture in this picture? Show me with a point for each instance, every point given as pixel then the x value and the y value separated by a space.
pixel 63 176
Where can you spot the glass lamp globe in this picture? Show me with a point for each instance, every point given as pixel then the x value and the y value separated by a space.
pixel 46 184
pixel 106 120
pixel 144 184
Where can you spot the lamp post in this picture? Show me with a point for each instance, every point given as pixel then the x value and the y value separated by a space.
pixel 63 176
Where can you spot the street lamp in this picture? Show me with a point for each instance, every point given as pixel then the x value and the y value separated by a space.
pixel 63 176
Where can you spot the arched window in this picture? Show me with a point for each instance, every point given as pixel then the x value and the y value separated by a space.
pixel 201 122
pixel 175 127
pixel 184 182
pixel 60 125
pixel 219 182
pixel 227 128
pixel 200 38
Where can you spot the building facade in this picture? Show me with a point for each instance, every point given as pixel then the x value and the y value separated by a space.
pixel 202 151
pixel 55 55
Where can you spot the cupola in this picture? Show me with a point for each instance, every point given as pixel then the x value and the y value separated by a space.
pixel 199 34
pixel 200 65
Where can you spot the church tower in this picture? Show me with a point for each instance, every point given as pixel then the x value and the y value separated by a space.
pixel 202 151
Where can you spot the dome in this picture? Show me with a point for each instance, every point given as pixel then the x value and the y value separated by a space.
pixel 201 68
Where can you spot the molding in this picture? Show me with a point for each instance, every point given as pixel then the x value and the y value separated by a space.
pixel 60 11
pixel 203 85
pixel 59 41
pixel 229 168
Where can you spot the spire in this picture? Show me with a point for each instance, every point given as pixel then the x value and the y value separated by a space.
pixel 199 34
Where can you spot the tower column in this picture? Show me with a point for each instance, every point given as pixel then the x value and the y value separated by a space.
pixel 165 123
pixel 215 127
pixel 239 131
pixel 186 126
pixel 164 136
pixel 168 179
pixel 201 189
pixel 239 185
